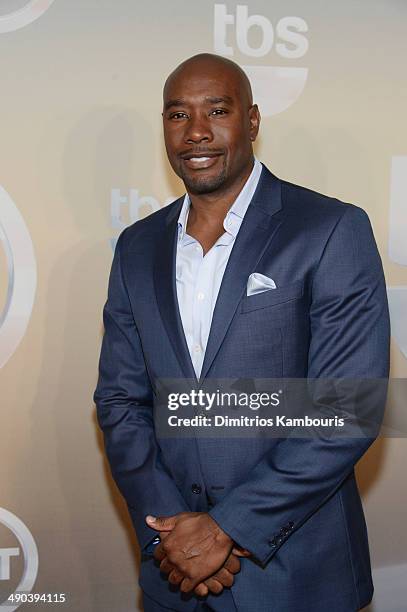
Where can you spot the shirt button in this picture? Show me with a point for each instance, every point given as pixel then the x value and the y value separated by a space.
pixel 200 296
pixel 196 488
pixel 197 247
pixel 197 348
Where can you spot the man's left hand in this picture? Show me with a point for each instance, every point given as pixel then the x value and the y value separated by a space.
pixel 196 546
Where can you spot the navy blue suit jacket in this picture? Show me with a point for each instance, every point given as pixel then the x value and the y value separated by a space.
pixel 294 503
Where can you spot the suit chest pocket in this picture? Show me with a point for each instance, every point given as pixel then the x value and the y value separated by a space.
pixel 272 297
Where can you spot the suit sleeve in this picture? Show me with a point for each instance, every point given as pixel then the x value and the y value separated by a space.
pixel 350 336
pixel 124 400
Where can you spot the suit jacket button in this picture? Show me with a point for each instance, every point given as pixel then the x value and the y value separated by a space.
pixel 290 525
pixel 196 488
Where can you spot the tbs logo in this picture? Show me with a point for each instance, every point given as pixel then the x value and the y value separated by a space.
pixel 275 88
pixel 129 208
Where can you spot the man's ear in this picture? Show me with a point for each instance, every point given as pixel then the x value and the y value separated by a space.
pixel 254 118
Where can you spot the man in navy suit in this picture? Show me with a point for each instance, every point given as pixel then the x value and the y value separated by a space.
pixel 245 277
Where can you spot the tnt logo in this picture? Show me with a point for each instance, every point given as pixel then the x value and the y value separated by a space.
pixel 127 209
pixel 275 88
pixel 27 549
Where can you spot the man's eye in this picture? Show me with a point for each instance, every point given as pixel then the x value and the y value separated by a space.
pixel 178 115
pixel 219 111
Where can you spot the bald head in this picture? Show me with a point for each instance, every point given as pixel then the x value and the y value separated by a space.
pixel 210 124
pixel 205 64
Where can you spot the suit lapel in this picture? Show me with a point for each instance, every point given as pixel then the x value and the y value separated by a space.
pixel 255 234
pixel 166 290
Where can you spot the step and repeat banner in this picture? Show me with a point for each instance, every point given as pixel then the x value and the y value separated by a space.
pixel 82 157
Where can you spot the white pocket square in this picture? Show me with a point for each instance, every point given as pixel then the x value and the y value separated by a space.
pixel 258 283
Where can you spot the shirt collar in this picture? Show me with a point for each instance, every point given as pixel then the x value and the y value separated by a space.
pixel 238 209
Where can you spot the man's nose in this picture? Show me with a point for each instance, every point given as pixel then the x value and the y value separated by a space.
pixel 198 130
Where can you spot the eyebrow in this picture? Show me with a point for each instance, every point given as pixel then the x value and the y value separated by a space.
pixel 209 99
pixel 217 100
pixel 172 103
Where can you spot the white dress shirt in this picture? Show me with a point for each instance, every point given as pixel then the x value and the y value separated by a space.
pixel 199 277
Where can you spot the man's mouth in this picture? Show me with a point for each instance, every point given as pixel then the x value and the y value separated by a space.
pixel 196 161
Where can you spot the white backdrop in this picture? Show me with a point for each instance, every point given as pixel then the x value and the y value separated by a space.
pixel 81 156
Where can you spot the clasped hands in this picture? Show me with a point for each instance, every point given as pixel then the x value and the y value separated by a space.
pixel 195 552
